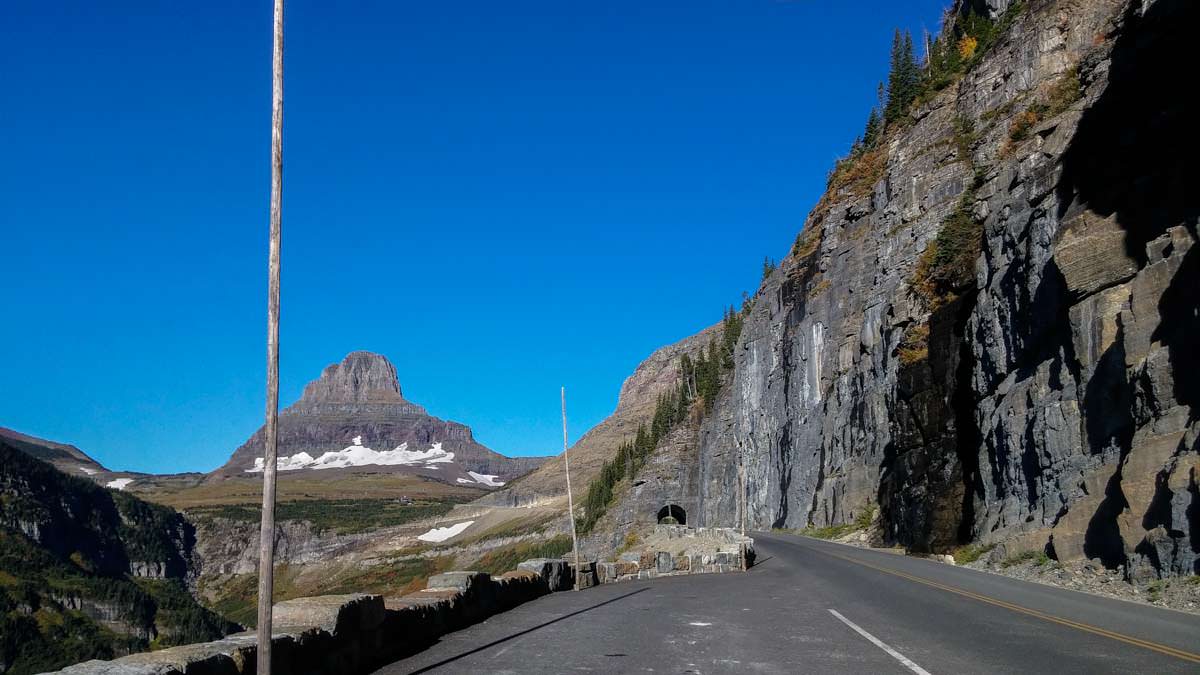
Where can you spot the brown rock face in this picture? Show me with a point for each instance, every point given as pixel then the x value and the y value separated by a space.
pixel 361 398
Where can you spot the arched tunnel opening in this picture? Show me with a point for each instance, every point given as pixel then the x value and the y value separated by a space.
pixel 672 514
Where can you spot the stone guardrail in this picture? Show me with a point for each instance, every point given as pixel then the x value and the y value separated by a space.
pixel 357 633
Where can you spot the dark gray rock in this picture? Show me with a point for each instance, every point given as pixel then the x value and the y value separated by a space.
pixel 361 397
pixel 1053 406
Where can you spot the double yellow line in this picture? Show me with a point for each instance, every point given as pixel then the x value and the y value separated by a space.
pixel 1152 646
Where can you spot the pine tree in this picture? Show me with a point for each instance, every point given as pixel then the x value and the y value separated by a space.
pixel 903 77
pixel 872 132
pixel 912 71
pixel 768 267
pixel 895 90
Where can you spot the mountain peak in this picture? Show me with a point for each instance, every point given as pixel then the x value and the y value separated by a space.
pixel 361 377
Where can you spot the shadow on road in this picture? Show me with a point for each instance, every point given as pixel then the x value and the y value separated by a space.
pixel 518 634
pixel 758 563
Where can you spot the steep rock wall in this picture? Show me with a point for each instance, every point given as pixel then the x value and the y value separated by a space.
pixel 1053 404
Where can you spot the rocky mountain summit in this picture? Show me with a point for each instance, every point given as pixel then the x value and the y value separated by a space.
pixel 354 416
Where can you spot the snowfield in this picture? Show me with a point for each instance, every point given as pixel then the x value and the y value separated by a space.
pixel 438 534
pixel 485 479
pixel 119 483
pixel 358 454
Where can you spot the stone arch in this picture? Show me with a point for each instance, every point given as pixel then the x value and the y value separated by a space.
pixel 672 512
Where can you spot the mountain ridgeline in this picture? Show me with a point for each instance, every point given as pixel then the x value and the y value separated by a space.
pixel 87 572
pixel 984 334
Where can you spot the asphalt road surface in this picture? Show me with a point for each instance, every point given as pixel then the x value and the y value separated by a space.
pixel 810 606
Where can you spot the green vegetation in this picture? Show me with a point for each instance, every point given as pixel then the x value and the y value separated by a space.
pixel 695 394
pixel 506 558
pixel 969 554
pixel 830 532
pixel 39 631
pixel 947 267
pixel 861 522
pixel 343 516
pixel 1065 91
pixel 632 540
pixel 1038 558
pixel 769 265
pixel 961 43
pixel 865 517
pixel 904 79
pixel 50 592
pixel 236 598
pixel 914 346
pixel 1155 589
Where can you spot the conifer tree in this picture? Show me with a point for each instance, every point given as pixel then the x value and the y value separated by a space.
pixel 874 127
pixel 768 267
pixel 903 77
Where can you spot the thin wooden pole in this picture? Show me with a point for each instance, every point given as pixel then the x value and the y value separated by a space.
pixel 570 500
pixel 266 547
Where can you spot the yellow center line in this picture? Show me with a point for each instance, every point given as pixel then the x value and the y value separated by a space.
pixel 1153 646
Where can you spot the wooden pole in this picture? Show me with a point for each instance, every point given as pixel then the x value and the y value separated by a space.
pixel 570 500
pixel 266 547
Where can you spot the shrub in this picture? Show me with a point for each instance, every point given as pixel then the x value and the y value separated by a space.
pixel 914 346
pixel 1066 90
pixel 507 558
pixel 858 173
pixel 969 554
pixel 967 46
pixel 947 266
pixel 1022 123
pixel 865 517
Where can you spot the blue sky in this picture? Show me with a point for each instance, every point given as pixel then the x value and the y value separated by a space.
pixel 501 197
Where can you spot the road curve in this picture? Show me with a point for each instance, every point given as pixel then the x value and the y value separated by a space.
pixel 814 607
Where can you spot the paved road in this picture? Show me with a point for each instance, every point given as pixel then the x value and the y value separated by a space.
pixel 815 607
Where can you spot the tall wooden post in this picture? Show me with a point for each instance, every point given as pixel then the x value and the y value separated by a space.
pixel 570 500
pixel 266 547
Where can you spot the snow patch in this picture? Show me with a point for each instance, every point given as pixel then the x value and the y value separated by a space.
pixel 464 480
pixel 358 454
pixel 119 483
pixel 443 533
pixel 485 479
pixel 90 472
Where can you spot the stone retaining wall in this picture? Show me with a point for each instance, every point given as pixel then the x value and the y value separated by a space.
pixel 346 634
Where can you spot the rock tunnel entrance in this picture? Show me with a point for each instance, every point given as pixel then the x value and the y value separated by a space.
pixel 672 514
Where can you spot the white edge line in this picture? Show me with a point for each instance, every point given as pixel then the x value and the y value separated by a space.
pixel 880 643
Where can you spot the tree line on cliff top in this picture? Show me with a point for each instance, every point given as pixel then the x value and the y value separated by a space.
pixel 692 397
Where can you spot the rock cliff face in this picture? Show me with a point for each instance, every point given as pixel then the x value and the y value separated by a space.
pixel 1052 403
pixel 657 375
pixel 360 398
pixel 89 572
